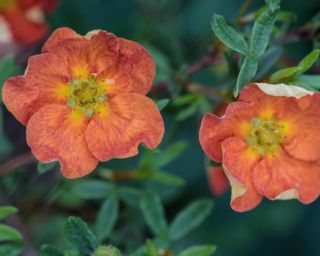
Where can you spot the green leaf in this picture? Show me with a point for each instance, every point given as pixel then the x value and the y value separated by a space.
pixel 153 212
pixel 7 69
pixel 43 167
pixel 184 99
pixel 268 60
pixel 187 112
pixel 7 211
pixel 309 82
pixel 166 178
pixel 273 4
pixel 150 249
pixel 9 234
pixel 80 236
pixel 247 73
pixel 189 218
pixel 48 250
pixel 199 250
pixel 130 195
pixel 261 32
pixel 106 251
pixel 308 61
pixel 107 217
pixel 162 103
pixel 93 189
pixel 11 249
pixel 228 35
pixel 72 253
pixel 169 154
pixel 284 74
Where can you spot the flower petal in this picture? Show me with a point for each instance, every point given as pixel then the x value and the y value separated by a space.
pixel 214 130
pixel 24 95
pixel 303 141
pixel 127 120
pixel 136 69
pixel 54 133
pixel 218 181
pixel 274 176
pixel 239 163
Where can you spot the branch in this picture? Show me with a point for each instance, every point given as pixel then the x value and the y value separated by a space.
pixel 16 162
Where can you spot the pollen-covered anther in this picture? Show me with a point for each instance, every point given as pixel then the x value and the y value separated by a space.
pixel 86 94
pixel 265 135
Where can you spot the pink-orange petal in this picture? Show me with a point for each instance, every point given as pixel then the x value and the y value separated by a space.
pixel 218 180
pixel 24 95
pixel 135 69
pixel 274 177
pixel 54 133
pixel 126 120
pixel 239 163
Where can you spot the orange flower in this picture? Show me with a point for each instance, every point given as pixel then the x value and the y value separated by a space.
pixel 23 20
pixel 268 144
pixel 83 100
pixel 218 181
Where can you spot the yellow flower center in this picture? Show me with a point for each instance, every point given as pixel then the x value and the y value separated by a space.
pixel 265 135
pixel 86 94
pixel 6 4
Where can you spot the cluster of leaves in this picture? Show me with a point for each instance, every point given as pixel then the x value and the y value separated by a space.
pixel 10 238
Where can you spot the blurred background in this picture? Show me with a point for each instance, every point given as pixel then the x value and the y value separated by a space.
pixel 178 35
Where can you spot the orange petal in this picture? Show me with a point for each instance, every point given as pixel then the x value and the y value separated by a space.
pixel 239 163
pixel 54 133
pixel 127 120
pixel 24 30
pixel 303 141
pixel 284 177
pixel 218 181
pixel 24 95
pixel 214 130
pixel 135 69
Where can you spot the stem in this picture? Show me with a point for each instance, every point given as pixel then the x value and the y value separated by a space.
pixel 16 162
pixel 243 8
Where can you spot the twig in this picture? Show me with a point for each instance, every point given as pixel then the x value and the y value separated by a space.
pixel 16 162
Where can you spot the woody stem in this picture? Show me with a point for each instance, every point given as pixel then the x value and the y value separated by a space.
pixel 12 164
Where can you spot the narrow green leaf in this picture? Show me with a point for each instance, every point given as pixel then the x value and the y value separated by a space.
pixel 80 236
pixel 308 61
pixel 184 99
pixel 247 73
pixel 72 253
pixel 162 103
pixel 48 250
pixel 199 250
pixel 166 178
pixel 273 4
pixel 187 112
pixel 130 195
pixel 7 211
pixel 9 234
pixel 284 74
pixel 189 218
pixel 228 35
pixel 107 217
pixel 43 167
pixel 268 60
pixel 169 154
pixel 261 32
pixel 93 189
pixel 150 249
pixel 11 249
pixel 153 212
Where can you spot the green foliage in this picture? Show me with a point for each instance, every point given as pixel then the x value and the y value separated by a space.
pixel 93 189
pixel 80 236
pixel 107 217
pixel 162 103
pixel 200 250
pixel 6 211
pixel 106 251
pixel 190 218
pixel 153 212
pixel 228 35
pixel 273 4
pixel 247 73
pixel 9 234
pixel 48 250
pixel 11 249
pixel 43 167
